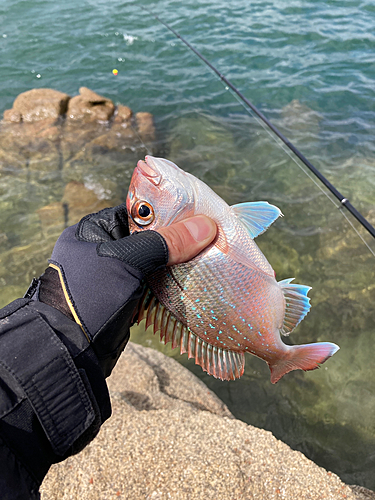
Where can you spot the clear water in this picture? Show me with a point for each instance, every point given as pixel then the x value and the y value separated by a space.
pixel 309 66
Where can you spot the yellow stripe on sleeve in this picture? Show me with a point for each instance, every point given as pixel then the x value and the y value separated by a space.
pixel 68 301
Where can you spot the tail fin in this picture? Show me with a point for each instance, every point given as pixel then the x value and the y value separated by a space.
pixel 302 357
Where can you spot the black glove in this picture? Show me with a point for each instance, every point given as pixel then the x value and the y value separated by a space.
pixel 96 278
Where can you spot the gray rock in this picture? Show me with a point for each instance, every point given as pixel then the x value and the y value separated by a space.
pixel 171 438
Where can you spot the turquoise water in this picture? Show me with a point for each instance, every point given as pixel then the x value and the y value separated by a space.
pixel 310 67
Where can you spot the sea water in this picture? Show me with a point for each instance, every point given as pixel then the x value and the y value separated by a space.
pixel 309 66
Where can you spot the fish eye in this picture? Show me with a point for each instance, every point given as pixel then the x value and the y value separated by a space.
pixel 142 213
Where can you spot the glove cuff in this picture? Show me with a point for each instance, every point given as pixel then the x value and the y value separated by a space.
pixel 51 292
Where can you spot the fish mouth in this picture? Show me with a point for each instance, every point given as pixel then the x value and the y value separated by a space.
pixel 147 170
pixel 153 168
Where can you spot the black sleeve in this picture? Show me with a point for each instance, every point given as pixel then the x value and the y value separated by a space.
pixel 53 395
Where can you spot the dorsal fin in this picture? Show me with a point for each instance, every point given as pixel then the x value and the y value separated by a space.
pixel 297 304
pixel 256 216
pixel 222 364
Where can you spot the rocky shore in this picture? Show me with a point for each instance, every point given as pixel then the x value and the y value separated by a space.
pixel 61 157
pixel 170 437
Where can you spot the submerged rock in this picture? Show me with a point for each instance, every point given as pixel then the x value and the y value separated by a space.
pixel 171 437
pixel 145 126
pixel 78 200
pixel 198 137
pixel 123 114
pixel 296 116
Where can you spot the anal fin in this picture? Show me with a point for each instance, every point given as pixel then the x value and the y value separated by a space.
pixel 220 363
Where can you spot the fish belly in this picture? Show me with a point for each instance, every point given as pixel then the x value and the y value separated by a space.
pixel 229 307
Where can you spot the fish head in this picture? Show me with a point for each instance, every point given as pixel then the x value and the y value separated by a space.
pixel 159 193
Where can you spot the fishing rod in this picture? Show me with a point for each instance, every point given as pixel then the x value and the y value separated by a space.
pixel 342 199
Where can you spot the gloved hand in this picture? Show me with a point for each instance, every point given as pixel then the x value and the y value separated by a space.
pixel 96 274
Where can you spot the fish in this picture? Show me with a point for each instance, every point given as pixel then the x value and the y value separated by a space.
pixel 225 302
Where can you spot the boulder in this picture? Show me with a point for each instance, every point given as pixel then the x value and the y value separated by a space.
pixel 32 143
pixel 123 114
pixel 13 116
pixel 169 437
pixel 77 134
pixel 79 201
pixel 52 217
pixel 145 126
pixel 92 97
pixel 37 104
pixel 90 106
pixel 299 119
pixel 117 139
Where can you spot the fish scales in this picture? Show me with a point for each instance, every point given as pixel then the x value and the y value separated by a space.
pixel 226 301
pixel 219 314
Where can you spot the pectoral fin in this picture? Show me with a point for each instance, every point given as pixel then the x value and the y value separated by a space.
pixel 256 216
pixel 297 304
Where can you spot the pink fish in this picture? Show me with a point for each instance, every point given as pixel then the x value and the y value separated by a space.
pixel 226 301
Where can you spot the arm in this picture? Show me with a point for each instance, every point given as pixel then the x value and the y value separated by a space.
pixel 61 340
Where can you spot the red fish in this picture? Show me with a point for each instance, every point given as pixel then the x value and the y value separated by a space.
pixel 226 301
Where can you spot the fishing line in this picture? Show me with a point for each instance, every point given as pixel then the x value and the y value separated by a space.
pixel 141 140
pixel 344 202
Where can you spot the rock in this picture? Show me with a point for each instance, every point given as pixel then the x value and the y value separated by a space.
pixel 92 97
pixel 123 114
pixel 32 143
pixel 87 137
pixel 52 133
pixel 4 242
pixel 145 126
pixel 79 201
pixel 77 135
pixel 38 104
pixel 363 493
pixel 20 264
pixel 299 118
pixel 11 161
pixel 116 139
pixel 171 438
pixel 89 106
pixel 53 216
pixel 10 115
